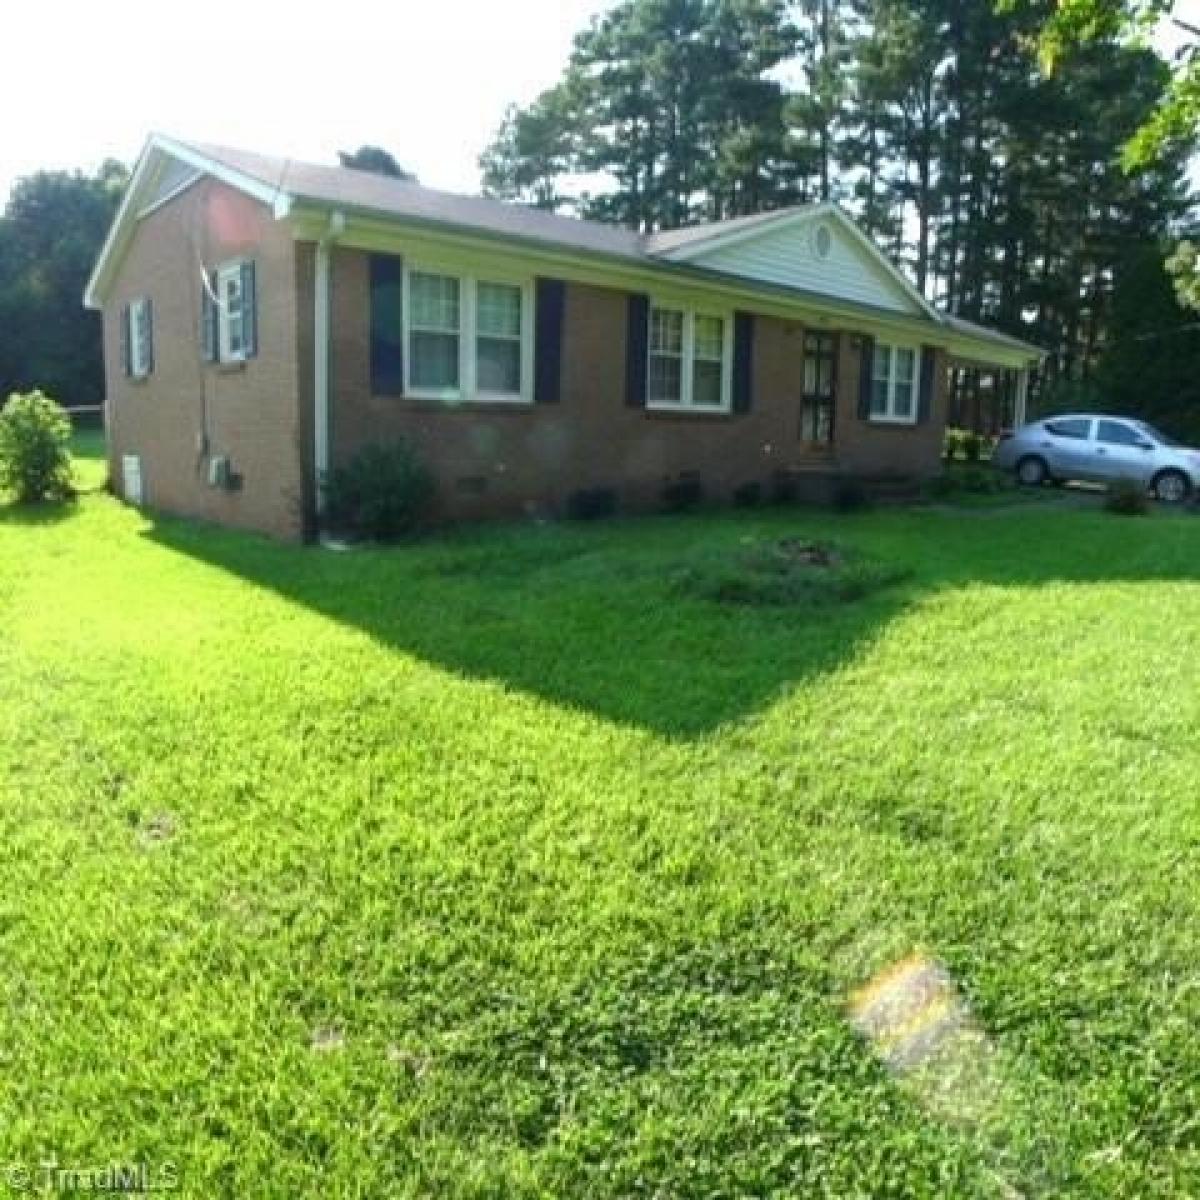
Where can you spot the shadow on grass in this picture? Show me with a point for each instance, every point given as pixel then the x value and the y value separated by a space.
pixel 49 513
pixel 587 616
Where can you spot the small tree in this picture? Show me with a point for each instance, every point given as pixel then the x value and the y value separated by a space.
pixel 35 455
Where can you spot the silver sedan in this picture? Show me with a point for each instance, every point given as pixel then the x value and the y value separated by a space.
pixel 1100 449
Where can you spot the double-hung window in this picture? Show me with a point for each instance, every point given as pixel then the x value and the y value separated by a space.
pixel 140 338
pixel 467 338
pixel 435 332
pixel 894 383
pixel 689 360
pixel 498 321
pixel 228 312
pixel 231 309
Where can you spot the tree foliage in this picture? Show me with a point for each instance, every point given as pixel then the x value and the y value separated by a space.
pixel 996 185
pixel 376 160
pixel 50 234
pixel 1170 128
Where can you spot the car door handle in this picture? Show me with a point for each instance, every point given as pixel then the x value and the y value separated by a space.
pixel 1101 450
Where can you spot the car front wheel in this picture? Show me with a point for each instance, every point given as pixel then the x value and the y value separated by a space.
pixel 1031 471
pixel 1171 487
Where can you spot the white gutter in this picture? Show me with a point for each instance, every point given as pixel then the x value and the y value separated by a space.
pixel 321 339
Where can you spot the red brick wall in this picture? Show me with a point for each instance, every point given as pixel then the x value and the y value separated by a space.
pixel 507 459
pixel 188 410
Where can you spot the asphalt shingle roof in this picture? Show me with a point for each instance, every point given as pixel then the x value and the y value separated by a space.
pixel 347 188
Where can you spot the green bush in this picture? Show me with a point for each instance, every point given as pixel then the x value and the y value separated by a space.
pixel 850 495
pixel 35 454
pixel 973 480
pixel 972 447
pixel 952 443
pixel 684 493
pixel 1127 498
pixel 384 492
pixel 748 495
pixel 592 504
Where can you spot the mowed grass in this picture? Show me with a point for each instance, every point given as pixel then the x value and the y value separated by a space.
pixel 499 866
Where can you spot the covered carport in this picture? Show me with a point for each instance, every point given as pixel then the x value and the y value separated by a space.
pixel 988 374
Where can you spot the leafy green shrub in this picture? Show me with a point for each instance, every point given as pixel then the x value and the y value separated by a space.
pixel 951 443
pixel 591 504
pixel 748 495
pixel 1127 498
pixel 850 495
pixel 783 571
pixel 681 494
pixel 35 453
pixel 966 481
pixel 784 489
pixel 972 447
pixel 384 491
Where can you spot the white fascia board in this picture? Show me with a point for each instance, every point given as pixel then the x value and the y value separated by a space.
pixel 882 261
pixel 119 233
pixel 266 193
pixel 118 230
pixel 177 190
pixel 720 241
pixel 887 268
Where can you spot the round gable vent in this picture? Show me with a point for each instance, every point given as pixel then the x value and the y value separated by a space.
pixel 822 241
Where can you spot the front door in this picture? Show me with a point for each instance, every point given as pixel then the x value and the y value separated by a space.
pixel 818 390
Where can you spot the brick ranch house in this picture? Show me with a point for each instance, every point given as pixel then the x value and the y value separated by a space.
pixel 264 319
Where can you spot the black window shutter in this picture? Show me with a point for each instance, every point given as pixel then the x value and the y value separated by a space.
pixel 547 341
pixel 126 341
pixel 743 362
pixel 209 342
pixel 925 400
pixel 387 325
pixel 866 368
pixel 148 345
pixel 249 309
pixel 637 344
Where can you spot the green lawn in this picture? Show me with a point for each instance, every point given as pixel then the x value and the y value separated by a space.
pixel 496 866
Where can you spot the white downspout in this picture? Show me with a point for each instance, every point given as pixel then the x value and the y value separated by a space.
pixel 322 288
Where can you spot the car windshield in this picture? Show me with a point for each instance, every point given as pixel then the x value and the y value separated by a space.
pixel 1157 434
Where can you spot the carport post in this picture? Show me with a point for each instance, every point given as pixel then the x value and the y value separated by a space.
pixel 1022 392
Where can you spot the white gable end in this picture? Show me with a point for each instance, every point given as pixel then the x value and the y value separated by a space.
pixel 817 254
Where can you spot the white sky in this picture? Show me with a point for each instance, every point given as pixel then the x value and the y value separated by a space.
pixel 426 79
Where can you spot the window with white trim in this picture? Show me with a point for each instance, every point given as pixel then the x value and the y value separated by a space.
pixel 498 339
pixel 894 383
pixel 689 360
pixel 665 384
pixel 435 330
pixel 141 353
pixel 231 310
pixel 708 362
pixel 467 338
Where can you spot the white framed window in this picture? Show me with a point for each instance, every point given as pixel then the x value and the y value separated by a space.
pixel 894 383
pixel 435 317
pixel 664 384
pixel 231 313
pixel 140 334
pixel 499 318
pixel 467 337
pixel 690 356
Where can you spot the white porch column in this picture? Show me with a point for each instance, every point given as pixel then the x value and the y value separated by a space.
pixel 1022 395
pixel 321 339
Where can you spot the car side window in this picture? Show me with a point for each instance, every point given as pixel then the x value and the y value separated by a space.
pixel 1116 434
pixel 1070 427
